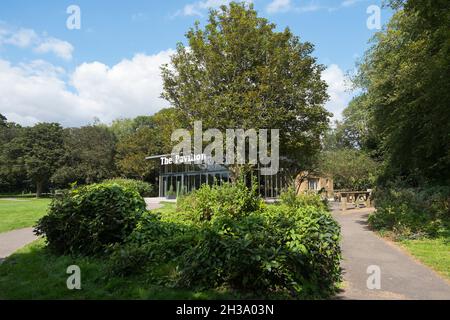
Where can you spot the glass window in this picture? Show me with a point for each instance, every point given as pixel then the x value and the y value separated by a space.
pixel 197 181
pixel 186 183
pixel 204 178
pixel 312 184
pixel 217 178
pixel 191 183
pixel 210 179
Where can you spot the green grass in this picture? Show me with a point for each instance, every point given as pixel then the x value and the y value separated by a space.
pixel 35 273
pixel 21 213
pixel 167 207
pixel 433 252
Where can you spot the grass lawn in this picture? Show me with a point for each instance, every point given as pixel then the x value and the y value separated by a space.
pixel 21 213
pixel 167 207
pixel 433 252
pixel 34 273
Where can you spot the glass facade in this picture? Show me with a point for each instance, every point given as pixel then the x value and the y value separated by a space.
pixel 177 179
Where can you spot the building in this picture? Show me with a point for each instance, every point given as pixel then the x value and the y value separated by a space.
pixel 312 183
pixel 181 175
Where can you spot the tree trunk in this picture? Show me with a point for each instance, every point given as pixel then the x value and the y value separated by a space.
pixel 39 188
pixel 238 171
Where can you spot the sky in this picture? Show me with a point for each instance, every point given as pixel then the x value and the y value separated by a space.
pixel 109 67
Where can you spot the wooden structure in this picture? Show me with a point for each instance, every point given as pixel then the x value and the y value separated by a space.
pixel 313 183
pixel 354 197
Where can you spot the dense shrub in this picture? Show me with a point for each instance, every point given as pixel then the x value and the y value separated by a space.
pixel 412 212
pixel 209 202
pixel 292 247
pixel 225 236
pixel 292 199
pixel 128 259
pixel 145 189
pixel 88 219
pixel 286 250
pixel 153 241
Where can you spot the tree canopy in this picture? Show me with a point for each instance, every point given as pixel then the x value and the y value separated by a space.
pixel 88 156
pixel 404 76
pixel 149 136
pixel 38 151
pixel 238 72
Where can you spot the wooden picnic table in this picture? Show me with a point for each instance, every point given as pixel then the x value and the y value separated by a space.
pixel 355 197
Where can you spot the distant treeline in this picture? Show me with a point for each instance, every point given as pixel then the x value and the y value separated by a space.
pixel 47 156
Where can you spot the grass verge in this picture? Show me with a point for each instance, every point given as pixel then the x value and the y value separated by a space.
pixel 35 273
pixel 21 213
pixel 434 253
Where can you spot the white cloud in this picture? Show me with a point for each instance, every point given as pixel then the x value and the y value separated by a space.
pixel 278 6
pixel 39 91
pixel 200 7
pixel 28 38
pixel 338 90
pixel 310 8
pixel 62 49
pixel 42 68
pixel 21 38
pixel 348 3
pixel 23 120
pixel 287 5
pixel 28 96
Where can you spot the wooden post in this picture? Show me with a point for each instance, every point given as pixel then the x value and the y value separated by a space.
pixel 368 200
pixel 343 202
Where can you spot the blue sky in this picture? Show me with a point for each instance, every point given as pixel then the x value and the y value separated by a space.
pixel 110 67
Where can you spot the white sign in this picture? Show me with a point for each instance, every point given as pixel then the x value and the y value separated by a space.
pixel 177 159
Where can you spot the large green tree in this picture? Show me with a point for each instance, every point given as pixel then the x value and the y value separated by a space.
pixel 405 78
pixel 150 135
pixel 39 150
pixel 88 156
pixel 351 169
pixel 355 129
pixel 2 120
pixel 132 151
pixel 238 72
pixel 12 174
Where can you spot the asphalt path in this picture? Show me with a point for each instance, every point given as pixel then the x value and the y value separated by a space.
pixel 365 255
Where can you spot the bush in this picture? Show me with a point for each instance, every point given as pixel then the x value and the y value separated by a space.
pixel 412 212
pixel 209 202
pixel 145 189
pixel 153 241
pixel 280 250
pixel 291 248
pixel 128 259
pixel 88 219
pixel 170 239
pixel 227 237
pixel 292 199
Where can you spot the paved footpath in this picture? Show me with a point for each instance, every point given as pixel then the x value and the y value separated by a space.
pixel 12 241
pixel 402 277
pixel 153 203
